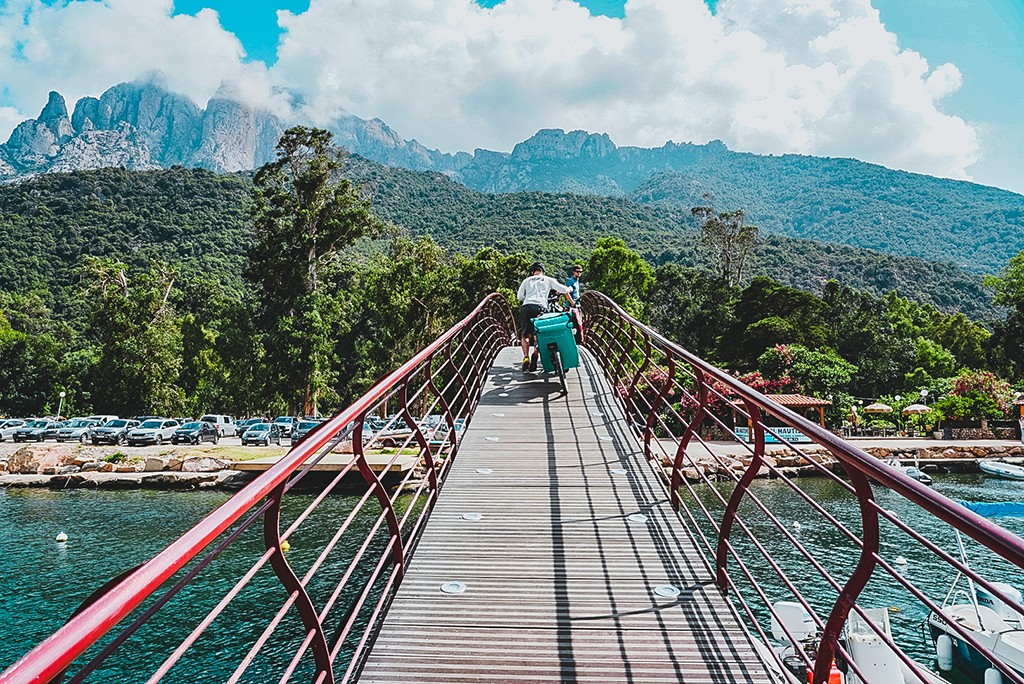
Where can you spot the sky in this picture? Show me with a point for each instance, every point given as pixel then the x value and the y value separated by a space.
pixel 930 86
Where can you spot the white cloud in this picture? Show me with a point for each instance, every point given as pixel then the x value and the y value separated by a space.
pixel 811 76
pixel 85 46
pixel 817 77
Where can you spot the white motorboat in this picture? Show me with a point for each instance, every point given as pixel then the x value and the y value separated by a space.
pixel 996 623
pixel 911 471
pixel 1007 471
pixel 874 658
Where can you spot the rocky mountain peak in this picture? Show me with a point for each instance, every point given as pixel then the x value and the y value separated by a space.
pixel 55 113
pixel 554 144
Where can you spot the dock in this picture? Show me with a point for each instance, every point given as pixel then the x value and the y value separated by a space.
pixel 332 463
pixel 553 555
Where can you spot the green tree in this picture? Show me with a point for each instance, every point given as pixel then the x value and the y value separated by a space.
pixel 1006 348
pixel 932 361
pixel 304 216
pixel 821 372
pixel 619 272
pixel 137 336
pixel 976 394
pixel 729 239
pixel 691 307
pixel 768 313
pixel 28 369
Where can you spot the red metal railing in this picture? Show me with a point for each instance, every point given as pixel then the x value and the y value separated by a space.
pixel 442 383
pixel 672 398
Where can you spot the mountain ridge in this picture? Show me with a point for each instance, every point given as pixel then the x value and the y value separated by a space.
pixel 142 126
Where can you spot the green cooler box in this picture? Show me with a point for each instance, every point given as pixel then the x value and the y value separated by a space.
pixel 556 328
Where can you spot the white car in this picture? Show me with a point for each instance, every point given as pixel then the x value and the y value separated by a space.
pixel 153 431
pixel 77 430
pixel 7 428
pixel 225 424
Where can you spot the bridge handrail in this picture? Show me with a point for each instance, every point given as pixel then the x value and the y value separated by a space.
pixel 631 352
pixel 57 652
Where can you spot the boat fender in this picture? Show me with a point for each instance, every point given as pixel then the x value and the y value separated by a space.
pixel 993 676
pixel 944 652
pixel 836 677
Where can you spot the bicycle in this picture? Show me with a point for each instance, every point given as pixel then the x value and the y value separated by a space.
pixel 554 332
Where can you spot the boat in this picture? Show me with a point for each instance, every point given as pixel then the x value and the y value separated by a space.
pixel 1006 471
pixel 911 471
pixel 995 621
pixel 874 658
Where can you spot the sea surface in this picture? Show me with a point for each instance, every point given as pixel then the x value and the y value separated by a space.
pixel 42 581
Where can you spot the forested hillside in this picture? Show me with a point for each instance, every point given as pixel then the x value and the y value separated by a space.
pixel 198 220
pixel 171 292
pixel 562 228
pixel 844 201
pixel 850 202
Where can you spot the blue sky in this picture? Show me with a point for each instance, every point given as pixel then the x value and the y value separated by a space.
pixel 932 86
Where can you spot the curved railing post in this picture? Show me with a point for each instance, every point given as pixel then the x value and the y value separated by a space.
pixel 291 582
pixel 397 551
pixel 684 441
pixel 656 404
pixel 636 413
pixel 858 580
pixel 732 508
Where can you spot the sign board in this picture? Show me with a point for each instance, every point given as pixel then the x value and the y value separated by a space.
pixel 791 435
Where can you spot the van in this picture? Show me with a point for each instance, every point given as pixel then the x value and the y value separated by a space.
pixel 225 424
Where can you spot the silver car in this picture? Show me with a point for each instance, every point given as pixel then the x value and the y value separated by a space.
pixel 153 431
pixel 77 430
pixel 8 426
pixel 113 432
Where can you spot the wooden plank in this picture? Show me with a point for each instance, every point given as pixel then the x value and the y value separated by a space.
pixel 560 532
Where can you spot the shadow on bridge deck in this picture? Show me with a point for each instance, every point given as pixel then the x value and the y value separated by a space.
pixel 574 534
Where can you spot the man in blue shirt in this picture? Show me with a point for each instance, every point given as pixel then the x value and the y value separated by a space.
pixel 573 283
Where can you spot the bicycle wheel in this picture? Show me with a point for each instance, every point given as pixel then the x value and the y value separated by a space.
pixel 556 361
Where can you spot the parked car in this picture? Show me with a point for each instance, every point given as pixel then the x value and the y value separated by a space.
pixel 37 431
pixel 76 430
pixel 286 424
pixel 195 432
pixel 103 419
pixel 225 424
pixel 113 432
pixel 155 431
pixel 243 425
pixel 8 426
pixel 262 433
pixel 304 428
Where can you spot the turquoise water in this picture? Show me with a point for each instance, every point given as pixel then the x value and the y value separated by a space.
pixel 834 551
pixel 42 581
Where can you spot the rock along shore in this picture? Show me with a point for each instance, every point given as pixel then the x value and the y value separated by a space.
pixel 74 466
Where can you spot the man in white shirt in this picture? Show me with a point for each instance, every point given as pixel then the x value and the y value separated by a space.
pixel 533 293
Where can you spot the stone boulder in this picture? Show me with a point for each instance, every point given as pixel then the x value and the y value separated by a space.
pixel 203 464
pixel 154 464
pixel 26 461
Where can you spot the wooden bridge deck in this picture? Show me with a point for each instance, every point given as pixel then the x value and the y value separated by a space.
pixel 559 580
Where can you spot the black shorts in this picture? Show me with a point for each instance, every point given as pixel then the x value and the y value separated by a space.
pixel 526 315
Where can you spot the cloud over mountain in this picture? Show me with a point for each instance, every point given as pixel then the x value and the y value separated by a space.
pixel 820 77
